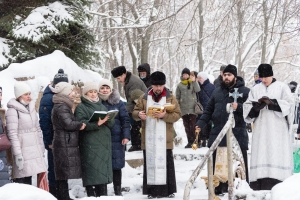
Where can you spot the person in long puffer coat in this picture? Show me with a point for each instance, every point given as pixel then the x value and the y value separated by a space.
pixel 120 132
pixel 65 140
pixel 24 132
pixel 4 174
pixel 95 143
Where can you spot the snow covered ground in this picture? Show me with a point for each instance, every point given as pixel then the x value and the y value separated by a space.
pixel 42 70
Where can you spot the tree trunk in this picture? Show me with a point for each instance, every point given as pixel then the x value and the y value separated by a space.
pixel 200 40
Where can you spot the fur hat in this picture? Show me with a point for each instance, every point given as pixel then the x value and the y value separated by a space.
pixel 203 75
pixel 135 94
pixel 158 78
pixel 231 69
pixel 118 71
pixel 265 70
pixel 293 86
pixel 222 67
pixel 60 77
pixel 186 71
pixel 105 82
pixel 63 88
pixel 89 86
pixel 21 88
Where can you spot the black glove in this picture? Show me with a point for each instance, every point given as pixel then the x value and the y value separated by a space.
pixel 265 100
pixel 258 106
pixel 275 106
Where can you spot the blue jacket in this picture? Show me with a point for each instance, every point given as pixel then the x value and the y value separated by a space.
pixel 205 93
pixel 120 130
pixel 45 110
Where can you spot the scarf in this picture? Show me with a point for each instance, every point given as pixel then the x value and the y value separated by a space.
pixel 104 97
pixel 93 100
pixel 187 82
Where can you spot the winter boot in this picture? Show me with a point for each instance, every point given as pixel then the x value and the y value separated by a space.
pixel 90 191
pixel 118 190
pixel 204 143
pixel 101 190
pixel 53 190
pixel 63 190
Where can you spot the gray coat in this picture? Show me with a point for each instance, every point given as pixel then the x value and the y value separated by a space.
pixel 132 82
pixel 24 132
pixel 187 97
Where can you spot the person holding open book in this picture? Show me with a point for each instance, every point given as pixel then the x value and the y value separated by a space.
pixel 157 137
pixel 120 132
pixel 94 142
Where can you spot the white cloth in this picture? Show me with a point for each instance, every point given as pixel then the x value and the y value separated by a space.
pixel 271 150
pixel 155 134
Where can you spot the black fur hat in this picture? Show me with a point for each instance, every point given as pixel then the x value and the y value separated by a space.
pixel 231 69
pixel 158 78
pixel 118 71
pixel 265 70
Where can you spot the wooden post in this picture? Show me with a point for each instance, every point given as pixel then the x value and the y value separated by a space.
pixel 211 191
pixel 230 164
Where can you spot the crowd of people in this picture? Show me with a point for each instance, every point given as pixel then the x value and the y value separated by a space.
pixel 95 150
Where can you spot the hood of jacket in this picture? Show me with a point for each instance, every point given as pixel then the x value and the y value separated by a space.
pixel 60 98
pixel 13 103
pixel 114 97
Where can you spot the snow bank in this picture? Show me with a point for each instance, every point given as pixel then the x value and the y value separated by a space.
pixel 16 191
pixel 288 189
pixel 40 73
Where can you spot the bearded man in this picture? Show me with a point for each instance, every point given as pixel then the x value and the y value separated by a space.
pixel 157 138
pixel 216 112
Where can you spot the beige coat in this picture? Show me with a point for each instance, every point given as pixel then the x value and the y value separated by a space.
pixel 170 118
pixel 24 132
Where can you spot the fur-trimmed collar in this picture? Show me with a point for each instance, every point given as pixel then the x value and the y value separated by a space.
pixel 114 97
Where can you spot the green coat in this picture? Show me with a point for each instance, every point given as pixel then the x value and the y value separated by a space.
pixel 186 97
pixel 94 145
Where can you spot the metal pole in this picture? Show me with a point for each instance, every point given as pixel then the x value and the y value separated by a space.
pixel 211 191
pixel 230 164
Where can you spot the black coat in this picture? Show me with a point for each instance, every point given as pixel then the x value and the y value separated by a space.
pixel 216 111
pixel 66 155
pixel 218 81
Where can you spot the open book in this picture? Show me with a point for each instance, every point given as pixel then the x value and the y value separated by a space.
pixel 160 108
pixel 262 99
pixel 102 114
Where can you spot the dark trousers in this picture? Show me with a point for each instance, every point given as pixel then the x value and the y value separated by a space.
pixel 96 190
pixel 25 180
pixel 189 122
pixel 135 133
pixel 51 174
pixel 264 184
pixel 117 177
pixel 62 190
pixel 223 187
pixel 161 190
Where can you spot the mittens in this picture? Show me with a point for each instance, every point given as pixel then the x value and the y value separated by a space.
pixel 19 161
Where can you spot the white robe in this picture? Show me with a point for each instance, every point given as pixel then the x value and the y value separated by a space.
pixel 271 149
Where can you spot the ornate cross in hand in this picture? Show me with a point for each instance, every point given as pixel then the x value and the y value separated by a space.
pixel 235 94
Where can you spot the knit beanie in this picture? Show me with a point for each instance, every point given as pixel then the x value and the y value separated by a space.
pixel 118 71
pixel 89 86
pixel 231 69
pixel 185 71
pixel 135 94
pixel 157 78
pixel 265 70
pixel 63 88
pixel 105 82
pixel 203 75
pixel 60 77
pixel 21 88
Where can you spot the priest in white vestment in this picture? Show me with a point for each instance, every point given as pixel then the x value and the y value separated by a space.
pixel 270 107
pixel 157 138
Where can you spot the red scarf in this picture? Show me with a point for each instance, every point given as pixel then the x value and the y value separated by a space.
pixel 155 97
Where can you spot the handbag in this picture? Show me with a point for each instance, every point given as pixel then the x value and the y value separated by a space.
pixel 4 141
pixel 198 108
